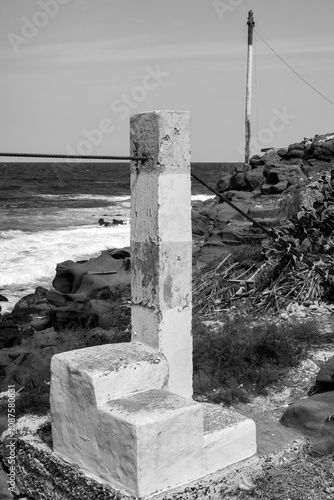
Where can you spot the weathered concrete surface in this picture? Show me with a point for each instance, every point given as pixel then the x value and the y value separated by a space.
pixel 44 475
pixel 228 437
pixel 124 412
pixel 107 428
pixel 161 240
pixel 162 452
pixel 85 379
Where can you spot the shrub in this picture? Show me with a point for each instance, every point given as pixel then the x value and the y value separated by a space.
pixel 242 360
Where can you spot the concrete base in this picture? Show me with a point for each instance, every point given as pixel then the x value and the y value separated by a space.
pixel 148 441
pixel 228 437
pixel 43 475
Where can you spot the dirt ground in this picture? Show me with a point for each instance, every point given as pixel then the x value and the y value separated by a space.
pixel 266 411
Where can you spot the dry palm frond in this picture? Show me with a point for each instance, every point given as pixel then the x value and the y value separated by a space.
pixel 273 286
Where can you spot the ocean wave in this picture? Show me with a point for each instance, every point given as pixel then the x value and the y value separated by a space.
pixel 11 233
pixel 27 257
pixel 201 197
pixel 80 197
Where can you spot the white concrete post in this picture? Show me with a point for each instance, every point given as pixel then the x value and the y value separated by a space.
pixel 161 241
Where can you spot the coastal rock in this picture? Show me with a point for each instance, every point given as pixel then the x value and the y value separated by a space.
pixel 85 292
pixel 9 330
pixel 325 377
pixel 296 150
pixel 274 188
pixel 28 364
pixel 33 309
pixel 224 182
pixel 218 244
pixel 279 179
pixel 314 166
pixel 282 152
pixel 240 179
pixel 243 179
pixel 271 157
pixel 25 364
pixel 322 147
pixel 256 177
pixel 314 417
pixel 69 274
pixel 115 222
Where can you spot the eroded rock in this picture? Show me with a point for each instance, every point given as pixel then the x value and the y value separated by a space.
pixel 314 417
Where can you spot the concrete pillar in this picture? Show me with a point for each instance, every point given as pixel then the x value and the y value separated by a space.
pixel 161 241
pixel 123 412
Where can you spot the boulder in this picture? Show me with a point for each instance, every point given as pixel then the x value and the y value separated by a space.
pixel 3 298
pixel 213 250
pixel 225 213
pixel 33 309
pixel 296 150
pixel 27 363
pixel 265 212
pixel 276 188
pixel 9 330
pixel 322 147
pixel 314 417
pixel 256 177
pixel 256 161
pixel 325 377
pixel 294 161
pixel 271 157
pixel 281 178
pixel 282 152
pixel 315 166
pixel 199 223
pixel 224 182
pixel 77 285
pixel 243 179
pixel 240 179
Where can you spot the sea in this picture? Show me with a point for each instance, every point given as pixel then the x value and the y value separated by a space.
pixel 49 213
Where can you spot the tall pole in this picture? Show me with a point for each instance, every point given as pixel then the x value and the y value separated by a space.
pixel 251 24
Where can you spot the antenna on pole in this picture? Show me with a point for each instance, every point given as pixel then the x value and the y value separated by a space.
pixel 251 24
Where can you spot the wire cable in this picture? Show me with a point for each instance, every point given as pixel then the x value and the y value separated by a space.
pixel 293 70
pixel 142 157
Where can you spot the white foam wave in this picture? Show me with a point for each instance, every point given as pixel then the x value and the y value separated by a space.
pixel 10 234
pixel 88 196
pixel 201 197
pixel 29 257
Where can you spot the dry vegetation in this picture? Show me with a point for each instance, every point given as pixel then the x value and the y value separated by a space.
pixel 302 477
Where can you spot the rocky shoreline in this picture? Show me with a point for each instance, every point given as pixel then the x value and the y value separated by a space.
pixel 267 190
pixel 95 293
pixel 89 303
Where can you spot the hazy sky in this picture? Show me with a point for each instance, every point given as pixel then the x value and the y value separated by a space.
pixel 72 71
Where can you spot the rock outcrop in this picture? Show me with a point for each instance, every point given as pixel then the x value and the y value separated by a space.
pixel 314 416
pixel 84 294
pixel 257 189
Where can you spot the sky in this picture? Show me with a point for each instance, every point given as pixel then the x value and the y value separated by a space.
pixel 73 71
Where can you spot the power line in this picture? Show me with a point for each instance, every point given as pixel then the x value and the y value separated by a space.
pixel 294 71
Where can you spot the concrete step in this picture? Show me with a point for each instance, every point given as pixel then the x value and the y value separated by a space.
pixel 229 437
